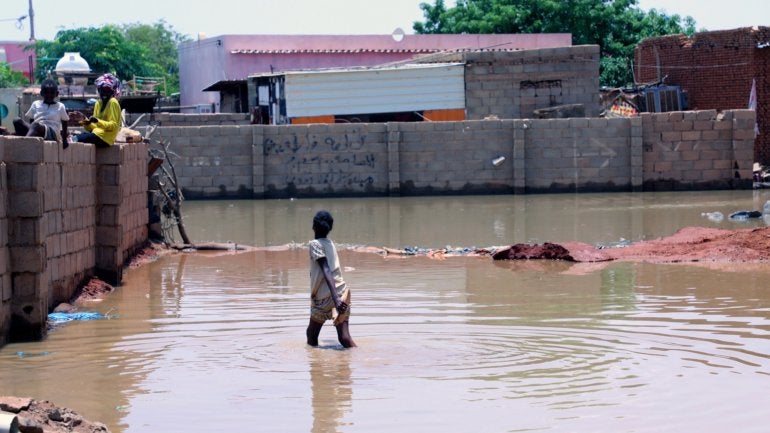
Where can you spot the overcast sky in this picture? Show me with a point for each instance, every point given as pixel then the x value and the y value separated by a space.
pixel 220 17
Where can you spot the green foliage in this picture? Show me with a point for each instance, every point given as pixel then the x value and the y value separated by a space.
pixel 162 43
pixel 615 25
pixel 10 77
pixel 128 51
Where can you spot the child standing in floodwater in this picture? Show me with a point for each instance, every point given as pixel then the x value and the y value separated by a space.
pixel 329 294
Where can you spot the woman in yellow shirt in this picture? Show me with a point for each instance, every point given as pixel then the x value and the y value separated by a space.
pixel 103 127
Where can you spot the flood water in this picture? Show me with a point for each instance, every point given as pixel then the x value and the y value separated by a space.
pixel 215 342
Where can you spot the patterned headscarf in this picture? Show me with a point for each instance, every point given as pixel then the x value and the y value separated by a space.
pixel 110 81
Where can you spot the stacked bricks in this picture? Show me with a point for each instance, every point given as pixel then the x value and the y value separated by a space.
pixel 581 154
pixel 213 161
pixel 51 199
pixel 121 209
pixel 698 150
pixel 177 119
pixel 50 227
pixel 69 198
pixel 512 84
pixel 716 70
pixel 682 150
pixel 327 159
pixel 455 156
pixel 6 289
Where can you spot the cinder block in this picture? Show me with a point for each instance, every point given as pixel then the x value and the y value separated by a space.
pixel 708 115
pixel 25 204
pixel 28 259
pixel 109 195
pixel 24 177
pixel 26 232
pixel 703 125
pixel 691 136
pixel 110 155
pixel 28 285
pixel 6 288
pixel 744 134
pixel 744 114
pixel 109 235
pixel 671 136
pixel 25 149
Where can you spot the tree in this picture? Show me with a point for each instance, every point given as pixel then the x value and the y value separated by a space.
pixel 134 49
pixel 615 25
pixel 106 49
pixel 162 43
pixel 10 77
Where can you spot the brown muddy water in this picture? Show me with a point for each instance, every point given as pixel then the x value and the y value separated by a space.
pixel 215 342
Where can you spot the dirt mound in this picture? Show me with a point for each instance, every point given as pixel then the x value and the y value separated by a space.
pixel 538 251
pixel 41 416
pixel 691 244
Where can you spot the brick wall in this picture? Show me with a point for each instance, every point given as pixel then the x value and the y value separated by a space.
pixel 57 227
pixel 177 119
pixel 683 150
pixel 716 69
pixel 715 150
pixel 6 290
pixel 121 207
pixel 511 85
pixel 214 161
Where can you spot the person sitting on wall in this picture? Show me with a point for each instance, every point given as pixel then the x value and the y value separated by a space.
pixel 102 128
pixel 48 118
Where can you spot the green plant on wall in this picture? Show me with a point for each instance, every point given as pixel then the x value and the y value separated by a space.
pixel 10 77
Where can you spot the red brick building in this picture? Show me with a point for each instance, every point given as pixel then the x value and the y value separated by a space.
pixel 716 70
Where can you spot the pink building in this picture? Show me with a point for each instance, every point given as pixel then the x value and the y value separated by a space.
pixel 13 53
pixel 224 62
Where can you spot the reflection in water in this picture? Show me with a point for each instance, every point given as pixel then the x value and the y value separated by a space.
pixel 435 222
pixel 331 386
pixel 216 342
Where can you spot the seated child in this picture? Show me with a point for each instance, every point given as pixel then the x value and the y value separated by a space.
pixel 48 118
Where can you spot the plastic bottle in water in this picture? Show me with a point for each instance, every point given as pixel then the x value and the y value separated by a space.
pixel 766 208
pixel 714 216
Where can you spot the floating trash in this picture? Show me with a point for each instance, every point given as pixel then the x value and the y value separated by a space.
pixel 744 215
pixel 62 317
pixel 714 216
pixel 622 243
pixel 31 354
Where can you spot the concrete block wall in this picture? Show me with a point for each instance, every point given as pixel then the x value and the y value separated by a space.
pixel 454 157
pixel 580 154
pixel 671 151
pixel 179 119
pixel 6 290
pixel 323 159
pixel 716 69
pixel 67 182
pixel 213 161
pixel 50 227
pixel 121 208
pixel 512 84
pixel 53 199
pixel 698 149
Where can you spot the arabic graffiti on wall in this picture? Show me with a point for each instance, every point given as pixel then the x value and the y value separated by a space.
pixel 341 160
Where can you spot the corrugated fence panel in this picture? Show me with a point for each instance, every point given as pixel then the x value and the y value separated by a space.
pixel 365 91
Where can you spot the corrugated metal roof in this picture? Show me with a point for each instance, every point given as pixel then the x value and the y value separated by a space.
pixel 362 50
pixel 385 67
pixel 225 85
pixel 333 51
